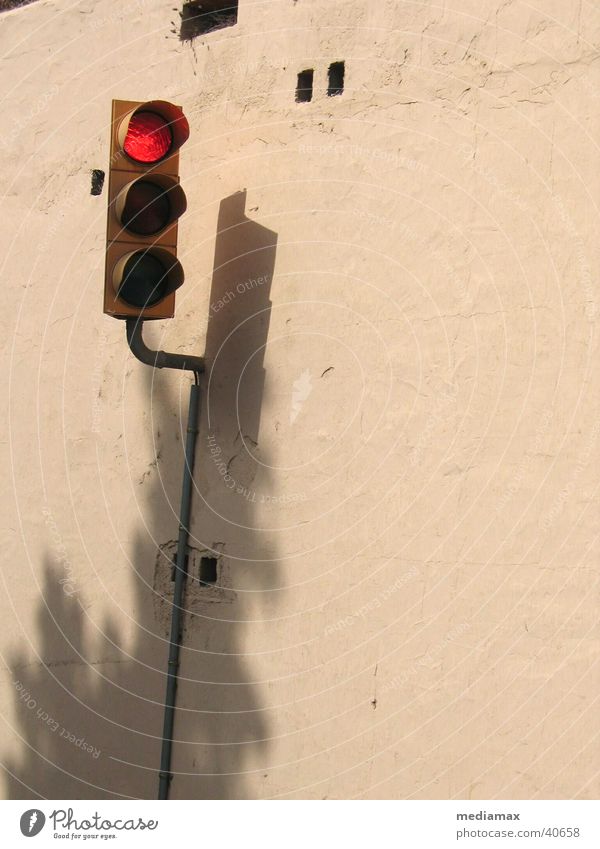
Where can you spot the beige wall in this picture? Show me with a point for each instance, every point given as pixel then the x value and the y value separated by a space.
pixel 409 604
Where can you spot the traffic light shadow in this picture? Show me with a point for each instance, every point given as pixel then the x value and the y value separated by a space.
pixel 89 709
pixel 238 322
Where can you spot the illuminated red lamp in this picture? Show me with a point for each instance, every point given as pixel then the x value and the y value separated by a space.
pixel 153 131
pixel 148 138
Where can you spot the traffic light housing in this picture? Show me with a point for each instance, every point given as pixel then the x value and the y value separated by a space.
pixel 145 202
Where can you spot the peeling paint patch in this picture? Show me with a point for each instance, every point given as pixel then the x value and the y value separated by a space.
pixel 199 17
pixel 198 592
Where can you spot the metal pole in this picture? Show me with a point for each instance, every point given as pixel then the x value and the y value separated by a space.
pixel 165 774
pixel 164 359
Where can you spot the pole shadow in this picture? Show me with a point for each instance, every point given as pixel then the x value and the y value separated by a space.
pixel 234 472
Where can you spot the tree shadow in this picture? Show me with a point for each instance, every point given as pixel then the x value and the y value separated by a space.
pixel 89 708
pixel 81 704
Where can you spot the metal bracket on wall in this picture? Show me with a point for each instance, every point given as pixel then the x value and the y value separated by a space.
pixel 158 359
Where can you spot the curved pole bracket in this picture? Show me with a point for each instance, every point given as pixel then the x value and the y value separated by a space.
pixel 158 359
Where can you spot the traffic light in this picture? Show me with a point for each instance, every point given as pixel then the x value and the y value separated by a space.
pixel 145 202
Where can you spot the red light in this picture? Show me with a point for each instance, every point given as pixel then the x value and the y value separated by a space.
pixel 149 138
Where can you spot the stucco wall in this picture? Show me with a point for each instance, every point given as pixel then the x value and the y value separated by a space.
pixel 410 546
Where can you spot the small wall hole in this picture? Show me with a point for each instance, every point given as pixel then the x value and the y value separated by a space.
pixel 201 16
pixel 208 570
pixel 304 89
pixel 97 181
pixel 337 71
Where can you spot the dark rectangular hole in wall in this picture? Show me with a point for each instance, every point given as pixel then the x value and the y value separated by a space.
pixel 336 78
pixel 97 181
pixel 208 570
pixel 202 16
pixel 304 89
